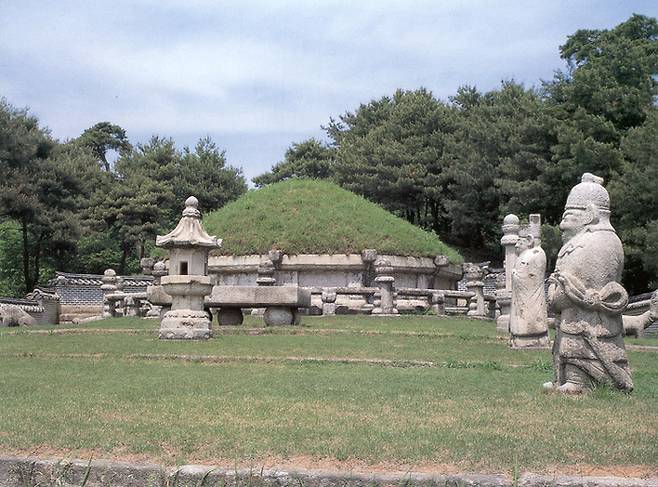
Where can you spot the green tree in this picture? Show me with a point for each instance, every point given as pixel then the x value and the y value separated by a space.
pixel 491 162
pixel 42 190
pixel 102 138
pixel 635 204
pixel 611 73
pixel 138 203
pixel 12 281
pixel 205 174
pixel 389 151
pixel 609 88
pixel 146 194
pixel 310 159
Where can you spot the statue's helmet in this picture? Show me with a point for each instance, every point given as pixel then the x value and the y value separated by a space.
pixel 589 191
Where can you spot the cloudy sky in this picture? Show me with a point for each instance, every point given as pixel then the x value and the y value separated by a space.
pixel 257 76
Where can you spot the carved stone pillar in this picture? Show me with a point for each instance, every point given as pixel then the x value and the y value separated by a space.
pixel 329 302
pixel 265 273
pixel 438 303
pixel 503 303
pixel 475 285
pixel 159 270
pixel 146 263
pixel 109 280
pixel 385 304
pixel 368 257
pixel 511 229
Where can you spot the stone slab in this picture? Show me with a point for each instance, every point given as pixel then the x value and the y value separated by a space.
pixel 15 471
pixel 259 296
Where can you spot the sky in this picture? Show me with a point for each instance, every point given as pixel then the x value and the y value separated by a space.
pixel 259 76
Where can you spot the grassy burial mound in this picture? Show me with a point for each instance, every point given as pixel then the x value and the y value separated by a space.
pixel 317 217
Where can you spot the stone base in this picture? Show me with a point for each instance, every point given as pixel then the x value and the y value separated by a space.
pixel 230 316
pixel 385 311
pixel 185 324
pixel 541 341
pixel 280 316
pixel 502 325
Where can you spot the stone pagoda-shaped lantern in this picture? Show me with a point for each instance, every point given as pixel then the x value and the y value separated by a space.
pixel 188 282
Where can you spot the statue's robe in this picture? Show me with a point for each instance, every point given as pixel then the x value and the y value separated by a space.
pixel 585 291
pixel 529 317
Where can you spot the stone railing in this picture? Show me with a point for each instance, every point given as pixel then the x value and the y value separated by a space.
pixel 335 270
pixel 117 302
pixel 436 301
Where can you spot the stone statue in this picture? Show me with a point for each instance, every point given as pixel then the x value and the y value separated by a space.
pixel 635 325
pixel 529 316
pixel 585 291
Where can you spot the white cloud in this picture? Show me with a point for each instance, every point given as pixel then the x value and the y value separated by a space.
pixel 184 67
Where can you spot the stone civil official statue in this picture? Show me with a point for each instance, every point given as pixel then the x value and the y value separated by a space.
pixel 585 291
pixel 529 317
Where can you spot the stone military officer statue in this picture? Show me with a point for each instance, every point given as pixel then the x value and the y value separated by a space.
pixel 585 291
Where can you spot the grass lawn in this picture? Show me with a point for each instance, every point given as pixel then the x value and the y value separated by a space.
pixel 410 392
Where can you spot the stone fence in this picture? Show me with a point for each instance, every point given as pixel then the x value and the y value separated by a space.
pixel 364 300
pixel 41 304
pixel 81 295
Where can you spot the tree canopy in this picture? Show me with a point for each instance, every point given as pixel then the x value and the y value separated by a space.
pixel 65 207
pixel 458 166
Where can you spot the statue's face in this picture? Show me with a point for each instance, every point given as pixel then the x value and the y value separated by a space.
pixel 523 243
pixel 573 222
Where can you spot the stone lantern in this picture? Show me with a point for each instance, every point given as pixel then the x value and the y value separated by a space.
pixel 188 282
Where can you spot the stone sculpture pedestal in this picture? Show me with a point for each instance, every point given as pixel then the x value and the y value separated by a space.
pixel 187 319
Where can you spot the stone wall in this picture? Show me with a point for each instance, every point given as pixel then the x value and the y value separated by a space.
pixel 81 295
pixel 41 304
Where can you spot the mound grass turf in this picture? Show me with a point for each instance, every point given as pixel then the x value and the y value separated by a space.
pixel 317 217
pixel 455 395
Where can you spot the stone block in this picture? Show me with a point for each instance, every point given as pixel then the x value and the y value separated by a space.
pixel 279 316
pixel 259 296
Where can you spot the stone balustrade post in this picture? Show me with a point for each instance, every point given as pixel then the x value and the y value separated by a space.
pixel 385 303
pixel 329 302
pixel 438 303
pixel 265 273
pixel 132 306
pixel 368 257
pixel 109 281
pixel 146 263
pixel 120 306
pixel 475 285
pixel 441 263
pixel 159 270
